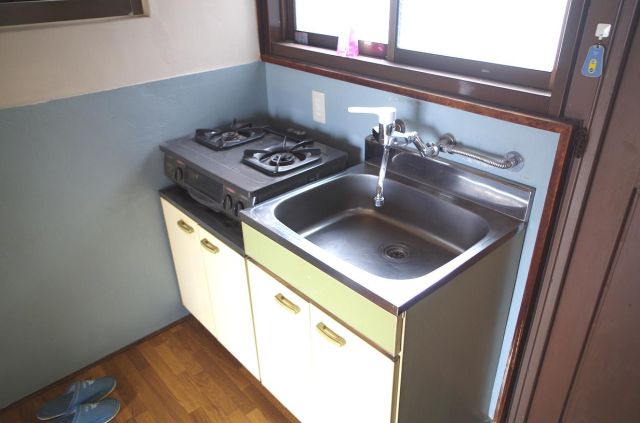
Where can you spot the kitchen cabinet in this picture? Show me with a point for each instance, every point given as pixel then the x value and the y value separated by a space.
pixel 213 285
pixel 319 369
pixel 282 337
pixel 434 362
pixel 350 380
pixel 230 300
pixel 187 259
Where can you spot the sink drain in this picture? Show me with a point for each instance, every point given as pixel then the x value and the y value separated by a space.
pixel 396 253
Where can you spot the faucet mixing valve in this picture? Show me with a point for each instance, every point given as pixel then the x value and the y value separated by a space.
pixel 386 120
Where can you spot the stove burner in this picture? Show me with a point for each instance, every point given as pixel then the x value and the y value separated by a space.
pixel 282 158
pixel 230 136
pixel 225 138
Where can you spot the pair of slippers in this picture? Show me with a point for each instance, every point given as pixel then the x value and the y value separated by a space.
pixel 83 402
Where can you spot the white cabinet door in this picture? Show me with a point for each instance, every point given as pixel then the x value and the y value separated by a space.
pixel 351 381
pixel 187 258
pixel 230 300
pixel 282 335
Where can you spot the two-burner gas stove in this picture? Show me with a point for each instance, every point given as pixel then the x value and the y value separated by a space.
pixel 228 169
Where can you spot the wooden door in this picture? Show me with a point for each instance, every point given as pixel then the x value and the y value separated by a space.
pixel 591 368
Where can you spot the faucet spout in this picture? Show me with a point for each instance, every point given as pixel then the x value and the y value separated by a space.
pixel 384 132
pixel 386 127
pixel 378 199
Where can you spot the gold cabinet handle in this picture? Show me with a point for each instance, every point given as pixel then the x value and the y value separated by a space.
pixel 287 304
pixel 184 226
pixel 209 246
pixel 331 335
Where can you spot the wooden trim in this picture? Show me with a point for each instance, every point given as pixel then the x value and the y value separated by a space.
pixel 568 50
pixel 393 23
pixel 364 68
pixel 539 122
pixel 289 23
pixel 97 362
pixel 538 261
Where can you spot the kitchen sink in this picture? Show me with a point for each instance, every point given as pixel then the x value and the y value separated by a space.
pixel 414 232
pixel 437 220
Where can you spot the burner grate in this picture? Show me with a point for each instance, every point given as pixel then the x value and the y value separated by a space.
pixel 282 158
pixel 224 138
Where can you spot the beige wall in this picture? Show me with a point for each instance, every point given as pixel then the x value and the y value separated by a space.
pixel 41 63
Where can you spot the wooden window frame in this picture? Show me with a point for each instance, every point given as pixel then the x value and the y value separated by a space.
pixel 510 87
pixel 33 12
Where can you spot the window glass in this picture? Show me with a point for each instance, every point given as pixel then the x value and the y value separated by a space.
pixel 517 33
pixel 368 18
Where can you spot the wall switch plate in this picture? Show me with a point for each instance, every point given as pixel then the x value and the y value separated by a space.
pixel 317 107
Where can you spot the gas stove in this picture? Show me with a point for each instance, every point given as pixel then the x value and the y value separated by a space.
pixel 228 169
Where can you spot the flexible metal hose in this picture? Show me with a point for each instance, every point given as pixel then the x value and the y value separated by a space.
pixel 511 160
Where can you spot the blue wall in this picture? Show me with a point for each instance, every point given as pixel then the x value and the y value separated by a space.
pixel 85 266
pixel 289 98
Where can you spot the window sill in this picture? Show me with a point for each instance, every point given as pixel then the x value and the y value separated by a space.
pixel 434 86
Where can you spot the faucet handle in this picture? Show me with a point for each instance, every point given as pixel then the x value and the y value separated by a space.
pixel 386 115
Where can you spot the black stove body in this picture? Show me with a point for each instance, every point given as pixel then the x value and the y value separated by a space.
pixel 236 173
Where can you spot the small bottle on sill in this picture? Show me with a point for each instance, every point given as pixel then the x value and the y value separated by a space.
pixel 348 44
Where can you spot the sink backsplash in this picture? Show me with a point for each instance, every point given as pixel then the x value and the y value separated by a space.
pixel 478 186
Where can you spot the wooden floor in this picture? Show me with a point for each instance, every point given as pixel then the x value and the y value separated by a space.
pixel 181 374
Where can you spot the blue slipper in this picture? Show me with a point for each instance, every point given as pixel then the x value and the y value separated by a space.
pixel 99 412
pixel 85 391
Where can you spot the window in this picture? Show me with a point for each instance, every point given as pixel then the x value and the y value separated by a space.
pixel 500 51
pixel 370 19
pixel 506 32
pixel 21 12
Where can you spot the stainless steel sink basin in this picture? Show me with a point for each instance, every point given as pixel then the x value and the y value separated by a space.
pixel 437 220
pixel 412 234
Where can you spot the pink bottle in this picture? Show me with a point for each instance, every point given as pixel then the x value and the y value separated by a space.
pixel 348 44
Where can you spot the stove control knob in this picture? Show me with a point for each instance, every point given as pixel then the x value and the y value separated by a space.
pixel 227 203
pixel 178 174
pixel 239 206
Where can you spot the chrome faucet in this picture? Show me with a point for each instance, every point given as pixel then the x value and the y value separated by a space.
pixel 386 127
pixel 387 135
pixel 385 132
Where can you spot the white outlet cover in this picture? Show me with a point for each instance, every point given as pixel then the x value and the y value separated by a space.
pixel 318 107
pixel 603 30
